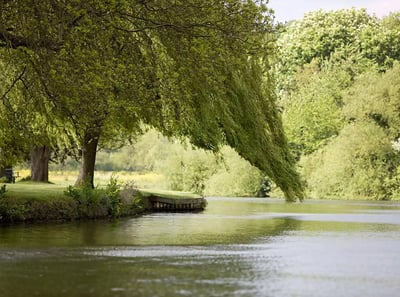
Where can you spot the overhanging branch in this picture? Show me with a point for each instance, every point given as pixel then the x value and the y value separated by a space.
pixel 14 82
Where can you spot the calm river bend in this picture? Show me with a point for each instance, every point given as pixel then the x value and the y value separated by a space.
pixel 237 247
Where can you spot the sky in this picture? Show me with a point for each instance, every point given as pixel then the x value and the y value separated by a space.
pixel 286 10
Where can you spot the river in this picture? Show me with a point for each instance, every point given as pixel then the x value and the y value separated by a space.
pixel 236 247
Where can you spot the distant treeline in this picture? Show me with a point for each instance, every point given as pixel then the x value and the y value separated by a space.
pixel 338 80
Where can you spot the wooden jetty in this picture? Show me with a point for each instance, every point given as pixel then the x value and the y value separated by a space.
pixel 173 201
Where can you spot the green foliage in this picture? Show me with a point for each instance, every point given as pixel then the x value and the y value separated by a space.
pixel 353 166
pixel 362 162
pixel 234 177
pixel 47 202
pixel 185 168
pixel 312 112
pixel 151 149
pixel 381 43
pixel 107 67
pixel 112 200
pixel 26 121
pixel 3 190
pixel 320 35
pixel 10 212
pixel 113 194
pixel 338 81
pixel 12 121
pixel 375 97
pixel 194 170
pixel 84 195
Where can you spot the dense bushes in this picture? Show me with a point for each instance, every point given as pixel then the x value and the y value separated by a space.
pixel 355 165
pixel 19 209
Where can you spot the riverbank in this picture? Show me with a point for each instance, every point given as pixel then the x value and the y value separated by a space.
pixel 44 202
pixel 32 202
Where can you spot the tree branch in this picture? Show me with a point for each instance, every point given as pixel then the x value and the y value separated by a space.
pixel 7 39
pixel 14 82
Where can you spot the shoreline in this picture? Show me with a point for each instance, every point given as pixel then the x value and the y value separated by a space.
pixel 30 202
pixel 62 209
pixel 45 203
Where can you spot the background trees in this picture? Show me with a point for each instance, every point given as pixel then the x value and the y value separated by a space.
pixel 338 90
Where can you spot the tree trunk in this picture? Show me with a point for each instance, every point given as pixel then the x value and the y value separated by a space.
pixel 89 150
pixel 40 157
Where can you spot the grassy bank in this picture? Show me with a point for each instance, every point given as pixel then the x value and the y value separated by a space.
pixel 28 202
pixel 101 178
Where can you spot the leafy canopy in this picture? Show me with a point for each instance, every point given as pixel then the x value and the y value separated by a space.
pixel 191 68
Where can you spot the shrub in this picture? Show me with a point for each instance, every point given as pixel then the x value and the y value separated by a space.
pixel 3 191
pixel 112 192
pixel 83 195
pixel 355 165
pixel 91 203
pixel 111 201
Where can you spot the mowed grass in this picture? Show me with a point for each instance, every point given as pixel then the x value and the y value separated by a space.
pixel 101 178
pixel 60 180
pixel 30 190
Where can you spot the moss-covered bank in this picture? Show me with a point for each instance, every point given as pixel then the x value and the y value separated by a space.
pixel 27 202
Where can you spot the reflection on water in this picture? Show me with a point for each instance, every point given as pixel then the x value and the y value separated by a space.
pixel 237 247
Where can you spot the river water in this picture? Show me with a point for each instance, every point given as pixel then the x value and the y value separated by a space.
pixel 236 247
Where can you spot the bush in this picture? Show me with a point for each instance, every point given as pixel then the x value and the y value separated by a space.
pixel 3 191
pixel 354 165
pixel 91 203
pixel 110 201
pixel 84 195
pixel 112 192
pixel 11 211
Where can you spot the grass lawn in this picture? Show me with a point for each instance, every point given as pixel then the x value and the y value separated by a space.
pixel 148 183
pixel 101 178
pixel 30 190
pixel 169 194
pixel 44 191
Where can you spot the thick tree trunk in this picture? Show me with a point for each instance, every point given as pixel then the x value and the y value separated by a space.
pixel 89 150
pixel 40 157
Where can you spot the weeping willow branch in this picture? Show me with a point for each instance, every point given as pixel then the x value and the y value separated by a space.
pixel 14 82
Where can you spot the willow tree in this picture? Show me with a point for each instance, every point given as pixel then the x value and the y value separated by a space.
pixel 25 132
pixel 195 69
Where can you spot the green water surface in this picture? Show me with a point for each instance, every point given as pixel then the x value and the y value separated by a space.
pixel 237 247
